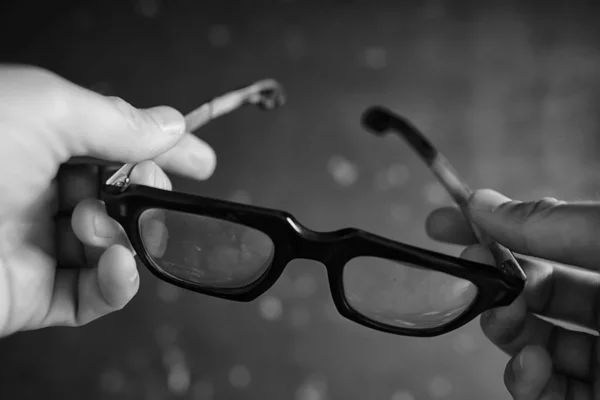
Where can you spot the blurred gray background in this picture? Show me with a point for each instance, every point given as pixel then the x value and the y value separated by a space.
pixel 508 90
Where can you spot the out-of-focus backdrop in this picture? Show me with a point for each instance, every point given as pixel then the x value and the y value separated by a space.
pixel 508 90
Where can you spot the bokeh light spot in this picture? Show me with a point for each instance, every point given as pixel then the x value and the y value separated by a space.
pixel 148 8
pixel 342 170
pixel 440 387
pixel 219 36
pixel 239 377
pixel 375 58
pixel 167 292
pixel 436 194
pixel 270 307
pixel 402 395
pixel 112 381
pixel 314 388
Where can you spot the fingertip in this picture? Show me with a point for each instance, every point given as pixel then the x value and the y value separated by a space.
pixel 147 173
pixel 531 370
pixel 118 277
pixel 82 219
pixel 448 224
pixel 209 163
pixel 94 227
pixel 535 358
pixel 167 118
pixel 154 232
pixel 437 223
pixel 504 325
pixel 191 158
pixel 478 253
pixel 202 160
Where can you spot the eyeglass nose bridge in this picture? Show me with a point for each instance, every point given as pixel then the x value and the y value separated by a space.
pixel 323 247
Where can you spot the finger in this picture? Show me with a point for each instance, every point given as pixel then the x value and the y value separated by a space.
pixel 83 295
pixel 190 158
pixel 154 232
pixel 527 374
pixel 147 173
pixel 562 293
pixel 78 122
pixel 85 123
pixel 92 225
pixel 513 327
pixel 558 386
pixel 97 231
pixel 119 131
pixel 448 224
pixel 551 229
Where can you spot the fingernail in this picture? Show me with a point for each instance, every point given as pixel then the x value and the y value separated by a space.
pixel 487 200
pixel 104 228
pixel 170 120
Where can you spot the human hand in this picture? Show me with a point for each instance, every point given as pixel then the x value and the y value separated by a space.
pixel 548 361
pixel 44 121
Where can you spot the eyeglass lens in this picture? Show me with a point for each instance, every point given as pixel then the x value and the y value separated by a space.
pixel 205 251
pixel 217 253
pixel 403 295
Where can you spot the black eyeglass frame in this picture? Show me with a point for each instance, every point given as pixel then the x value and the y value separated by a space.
pixel 291 240
pixel 497 285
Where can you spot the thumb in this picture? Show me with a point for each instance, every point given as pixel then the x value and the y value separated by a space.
pixel 108 127
pixel 547 228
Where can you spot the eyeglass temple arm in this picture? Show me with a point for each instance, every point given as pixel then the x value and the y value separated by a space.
pixel 380 121
pixel 266 94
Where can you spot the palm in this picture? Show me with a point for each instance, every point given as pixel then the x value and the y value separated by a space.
pixel 27 266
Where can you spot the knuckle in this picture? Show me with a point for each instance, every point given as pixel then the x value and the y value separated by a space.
pixel 540 286
pixel 127 112
pixel 136 119
pixel 529 215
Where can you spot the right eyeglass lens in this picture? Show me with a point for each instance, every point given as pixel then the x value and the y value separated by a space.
pixel 404 295
pixel 207 251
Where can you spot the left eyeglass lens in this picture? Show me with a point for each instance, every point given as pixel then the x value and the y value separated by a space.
pixel 203 250
pixel 404 295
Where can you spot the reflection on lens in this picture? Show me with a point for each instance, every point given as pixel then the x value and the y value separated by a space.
pixel 404 295
pixel 204 250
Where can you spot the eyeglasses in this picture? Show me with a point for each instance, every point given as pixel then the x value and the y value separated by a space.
pixel 237 251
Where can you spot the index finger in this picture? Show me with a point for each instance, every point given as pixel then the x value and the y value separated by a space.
pixel 564 232
pixel 190 158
